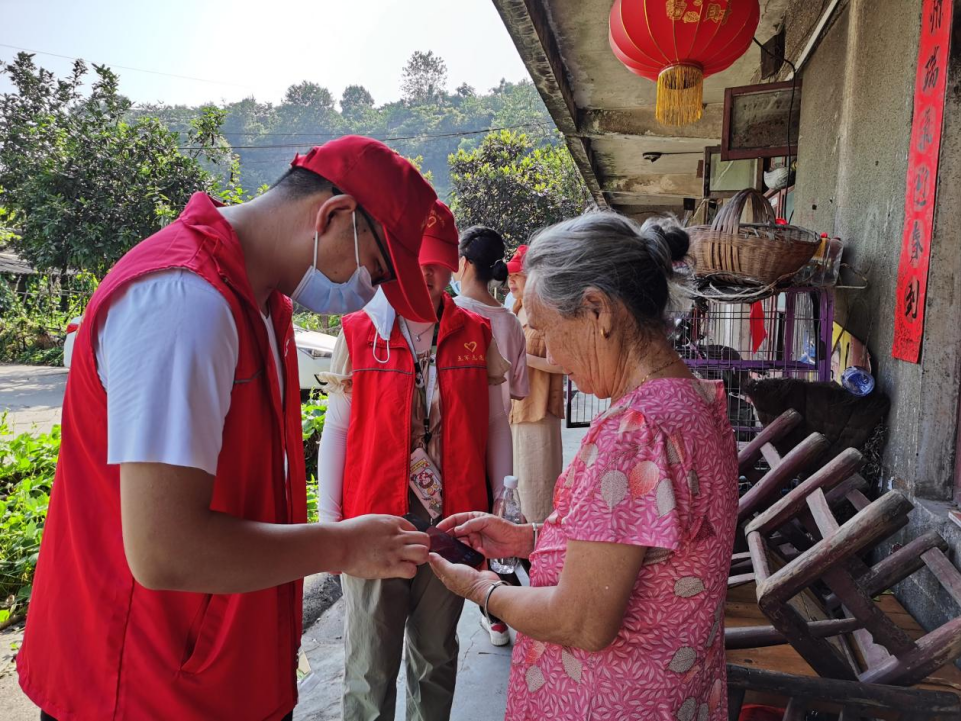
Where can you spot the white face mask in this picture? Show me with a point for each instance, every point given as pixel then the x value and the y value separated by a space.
pixel 320 294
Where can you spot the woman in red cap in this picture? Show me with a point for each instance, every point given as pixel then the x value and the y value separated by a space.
pixel 416 425
pixel 536 420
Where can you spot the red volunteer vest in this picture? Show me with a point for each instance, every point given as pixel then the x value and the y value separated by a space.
pixel 100 646
pixel 379 436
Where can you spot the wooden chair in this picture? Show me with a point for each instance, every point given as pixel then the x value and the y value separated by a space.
pixel 888 654
pixel 851 699
pixel 782 472
pixel 788 513
pixel 763 443
pixel 789 529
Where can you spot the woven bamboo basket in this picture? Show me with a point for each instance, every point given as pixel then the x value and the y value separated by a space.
pixel 758 253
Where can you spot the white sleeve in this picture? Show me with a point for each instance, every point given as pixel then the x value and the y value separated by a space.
pixel 167 351
pixel 331 458
pixel 500 446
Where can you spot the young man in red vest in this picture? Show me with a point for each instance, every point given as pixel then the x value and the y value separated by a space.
pixel 410 400
pixel 168 585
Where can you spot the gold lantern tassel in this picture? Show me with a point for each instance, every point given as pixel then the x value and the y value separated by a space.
pixel 680 95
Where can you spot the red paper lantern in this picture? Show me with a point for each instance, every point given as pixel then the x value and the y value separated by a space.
pixel 678 43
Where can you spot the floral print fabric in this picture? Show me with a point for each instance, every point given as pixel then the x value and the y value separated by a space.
pixel 659 469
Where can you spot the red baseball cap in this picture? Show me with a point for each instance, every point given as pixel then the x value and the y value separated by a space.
pixel 440 238
pixel 516 263
pixel 396 195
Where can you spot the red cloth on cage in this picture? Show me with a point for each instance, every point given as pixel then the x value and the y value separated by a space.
pixel 758 327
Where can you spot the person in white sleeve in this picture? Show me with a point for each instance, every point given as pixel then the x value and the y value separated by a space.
pixel 416 425
pixel 481 264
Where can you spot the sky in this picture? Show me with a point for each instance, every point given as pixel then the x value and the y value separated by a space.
pixel 225 52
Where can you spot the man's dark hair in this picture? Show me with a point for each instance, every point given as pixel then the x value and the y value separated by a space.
pixel 299 183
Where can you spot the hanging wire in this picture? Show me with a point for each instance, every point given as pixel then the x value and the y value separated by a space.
pixel 387 139
pixel 790 114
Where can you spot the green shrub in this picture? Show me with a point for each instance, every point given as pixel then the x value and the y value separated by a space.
pixel 27 466
pixel 329 324
pixel 312 416
pixel 34 318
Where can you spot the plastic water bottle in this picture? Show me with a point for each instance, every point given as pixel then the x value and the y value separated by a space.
pixel 857 381
pixel 507 506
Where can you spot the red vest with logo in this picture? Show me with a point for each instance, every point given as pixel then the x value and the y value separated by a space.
pixel 376 473
pixel 100 646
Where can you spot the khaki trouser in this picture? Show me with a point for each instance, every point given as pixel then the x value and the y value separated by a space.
pixel 378 613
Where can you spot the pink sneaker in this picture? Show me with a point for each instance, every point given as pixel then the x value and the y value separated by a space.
pixel 499 633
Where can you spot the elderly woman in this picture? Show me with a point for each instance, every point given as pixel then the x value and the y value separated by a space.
pixel 624 616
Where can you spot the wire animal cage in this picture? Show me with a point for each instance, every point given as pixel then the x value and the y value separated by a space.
pixel 787 335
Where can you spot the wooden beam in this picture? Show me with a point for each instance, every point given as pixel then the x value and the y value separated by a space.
pixel 944 571
pixel 921 703
pixel 881 519
pixel 937 648
pixel 902 563
pixel 674 184
pixel 771 455
pixel 641 121
pixel 795 462
pixel 774 431
pixel 827 477
pixel 742 637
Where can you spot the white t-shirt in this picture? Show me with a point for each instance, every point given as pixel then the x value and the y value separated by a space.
pixel 167 351
pixel 511 342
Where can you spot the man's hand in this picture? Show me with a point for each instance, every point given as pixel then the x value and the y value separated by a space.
pixel 490 535
pixel 383 547
pixel 174 542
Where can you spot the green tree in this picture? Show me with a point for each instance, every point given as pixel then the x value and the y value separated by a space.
pixel 510 184
pixel 356 101
pixel 311 97
pixel 309 108
pixel 265 136
pixel 83 181
pixel 425 78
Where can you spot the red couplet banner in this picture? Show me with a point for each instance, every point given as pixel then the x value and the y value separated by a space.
pixel 919 203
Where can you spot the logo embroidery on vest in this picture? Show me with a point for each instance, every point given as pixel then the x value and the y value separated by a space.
pixel 471 356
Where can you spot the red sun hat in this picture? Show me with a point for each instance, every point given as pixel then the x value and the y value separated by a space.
pixel 440 238
pixel 395 194
pixel 516 263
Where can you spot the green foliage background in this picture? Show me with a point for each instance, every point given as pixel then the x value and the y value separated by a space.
pixel 512 184
pixel 27 466
pixel 84 176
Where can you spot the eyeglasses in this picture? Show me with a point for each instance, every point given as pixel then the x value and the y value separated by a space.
pixel 391 273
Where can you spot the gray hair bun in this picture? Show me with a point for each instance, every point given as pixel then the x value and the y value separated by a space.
pixel 669 232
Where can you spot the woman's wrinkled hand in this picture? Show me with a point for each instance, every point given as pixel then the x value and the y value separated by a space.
pixel 490 535
pixel 462 580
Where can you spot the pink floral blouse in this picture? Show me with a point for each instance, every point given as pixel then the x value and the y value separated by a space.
pixel 659 469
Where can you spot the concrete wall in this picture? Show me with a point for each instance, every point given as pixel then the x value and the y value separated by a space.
pixel 855 130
